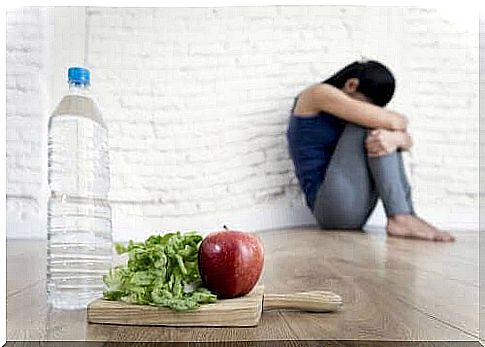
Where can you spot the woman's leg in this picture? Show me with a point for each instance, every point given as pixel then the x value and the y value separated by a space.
pixel 353 183
pixel 347 196
pixel 391 183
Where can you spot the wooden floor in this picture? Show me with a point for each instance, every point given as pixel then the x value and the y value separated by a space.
pixel 393 289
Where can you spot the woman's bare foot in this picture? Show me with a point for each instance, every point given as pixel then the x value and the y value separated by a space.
pixel 407 225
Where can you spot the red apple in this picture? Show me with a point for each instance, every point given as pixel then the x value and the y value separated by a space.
pixel 230 262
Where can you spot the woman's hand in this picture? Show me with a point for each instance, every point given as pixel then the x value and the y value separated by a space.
pixel 383 142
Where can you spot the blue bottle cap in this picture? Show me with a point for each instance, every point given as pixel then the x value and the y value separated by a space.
pixel 78 75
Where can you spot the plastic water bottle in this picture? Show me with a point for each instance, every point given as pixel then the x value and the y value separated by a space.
pixel 79 250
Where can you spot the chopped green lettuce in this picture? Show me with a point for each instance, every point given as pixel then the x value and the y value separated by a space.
pixel 162 271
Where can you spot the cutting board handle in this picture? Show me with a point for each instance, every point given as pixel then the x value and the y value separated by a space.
pixel 313 301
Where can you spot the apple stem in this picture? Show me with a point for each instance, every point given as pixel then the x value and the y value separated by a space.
pixel 225 227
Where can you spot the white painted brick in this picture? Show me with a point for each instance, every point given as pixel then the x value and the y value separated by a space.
pixel 25 111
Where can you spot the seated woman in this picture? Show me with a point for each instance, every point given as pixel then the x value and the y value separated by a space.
pixel 346 149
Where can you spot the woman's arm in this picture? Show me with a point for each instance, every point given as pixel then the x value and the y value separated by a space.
pixel 382 142
pixel 324 97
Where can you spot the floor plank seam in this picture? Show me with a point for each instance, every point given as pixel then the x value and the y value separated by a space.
pixel 21 290
pixel 282 315
pixel 434 317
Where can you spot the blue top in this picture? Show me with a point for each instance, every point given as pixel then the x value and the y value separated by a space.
pixel 312 141
pixel 79 76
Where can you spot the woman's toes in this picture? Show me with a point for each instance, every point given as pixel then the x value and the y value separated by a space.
pixel 448 237
pixel 444 236
pixel 439 237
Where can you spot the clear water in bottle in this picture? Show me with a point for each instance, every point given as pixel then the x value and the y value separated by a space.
pixel 79 250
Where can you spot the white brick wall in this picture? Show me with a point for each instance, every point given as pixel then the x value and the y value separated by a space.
pixel 26 112
pixel 197 101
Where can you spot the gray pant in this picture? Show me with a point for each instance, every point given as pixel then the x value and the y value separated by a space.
pixel 353 183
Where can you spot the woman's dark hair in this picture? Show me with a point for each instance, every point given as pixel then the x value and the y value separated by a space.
pixel 375 80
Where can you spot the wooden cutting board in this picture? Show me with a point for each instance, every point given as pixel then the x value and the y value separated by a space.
pixel 242 311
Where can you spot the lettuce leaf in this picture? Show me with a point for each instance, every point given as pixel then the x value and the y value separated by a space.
pixel 162 271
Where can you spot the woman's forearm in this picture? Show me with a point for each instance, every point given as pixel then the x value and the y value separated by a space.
pixel 330 99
